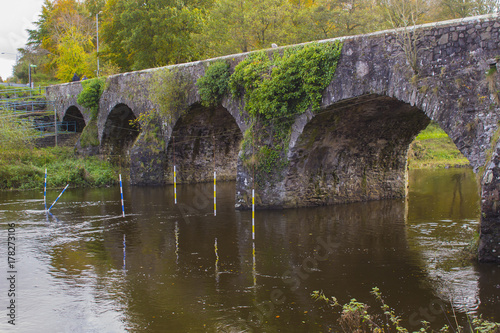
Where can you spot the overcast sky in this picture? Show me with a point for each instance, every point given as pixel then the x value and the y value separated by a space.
pixel 15 17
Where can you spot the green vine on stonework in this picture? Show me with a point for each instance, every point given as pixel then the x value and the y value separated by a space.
pixel 214 85
pixel 170 89
pixel 288 84
pixel 91 94
pixel 275 91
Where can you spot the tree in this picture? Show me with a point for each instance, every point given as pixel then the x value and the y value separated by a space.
pixel 73 55
pixel 148 33
pixel 404 13
pixel 464 8
pixel 235 26
pixel 49 45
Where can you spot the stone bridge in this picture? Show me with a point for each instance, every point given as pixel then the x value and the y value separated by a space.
pixel 354 149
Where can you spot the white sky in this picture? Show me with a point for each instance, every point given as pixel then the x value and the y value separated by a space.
pixel 15 17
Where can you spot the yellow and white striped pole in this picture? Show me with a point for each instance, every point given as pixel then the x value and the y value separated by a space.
pixel 175 186
pixel 215 193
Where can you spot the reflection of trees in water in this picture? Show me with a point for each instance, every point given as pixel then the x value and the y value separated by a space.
pixel 457 179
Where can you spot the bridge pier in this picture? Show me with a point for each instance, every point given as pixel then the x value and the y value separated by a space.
pixel 489 240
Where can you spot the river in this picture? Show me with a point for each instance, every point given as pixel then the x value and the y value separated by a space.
pixel 179 268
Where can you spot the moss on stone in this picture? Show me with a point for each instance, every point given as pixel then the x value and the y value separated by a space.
pixel 90 136
pixel 170 89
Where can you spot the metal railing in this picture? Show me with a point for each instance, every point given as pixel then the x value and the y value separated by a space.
pixel 17 92
pixel 63 127
pixel 31 106
pixel 27 106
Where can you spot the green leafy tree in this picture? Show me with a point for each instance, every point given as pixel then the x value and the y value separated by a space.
pixel 235 26
pixel 143 34
pixel 464 8
pixel 49 44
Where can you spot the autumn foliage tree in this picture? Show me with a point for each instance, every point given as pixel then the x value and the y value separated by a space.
pixel 139 34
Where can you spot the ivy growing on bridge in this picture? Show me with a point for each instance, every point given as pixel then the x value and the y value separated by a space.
pixel 91 94
pixel 213 86
pixel 276 90
pixel 287 84
pixel 170 89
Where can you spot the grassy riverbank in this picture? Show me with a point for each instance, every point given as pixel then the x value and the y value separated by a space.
pixel 25 169
pixel 433 148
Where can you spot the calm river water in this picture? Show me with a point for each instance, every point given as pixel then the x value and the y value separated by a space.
pixel 167 268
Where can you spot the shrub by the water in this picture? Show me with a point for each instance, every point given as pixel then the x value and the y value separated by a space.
pixel 25 169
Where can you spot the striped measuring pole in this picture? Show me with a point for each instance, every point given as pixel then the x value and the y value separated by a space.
pixel 215 193
pixel 57 198
pixel 175 186
pixel 45 190
pixel 121 194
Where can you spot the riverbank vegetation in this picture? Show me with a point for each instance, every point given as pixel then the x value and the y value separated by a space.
pixel 358 317
pixel 24 168
pixel 135 35
pixel 22 164
pixel 433 148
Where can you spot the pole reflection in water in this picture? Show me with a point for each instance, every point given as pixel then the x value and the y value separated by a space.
pixel 176 232
pixel 124 253
pixel 407 248
pixel 254 266
pixel 216 265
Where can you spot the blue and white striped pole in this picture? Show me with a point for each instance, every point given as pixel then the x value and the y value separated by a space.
pixel 45 190
pixel 57 198
pixel 121 194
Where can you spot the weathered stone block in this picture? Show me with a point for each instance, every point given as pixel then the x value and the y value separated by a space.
pixel 485 35
pixel 444 39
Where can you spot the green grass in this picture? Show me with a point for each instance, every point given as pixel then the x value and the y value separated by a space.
pixel 25 169
pixel 432 148
pixel 433 131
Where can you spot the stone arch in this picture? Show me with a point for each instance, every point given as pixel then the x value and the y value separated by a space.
pixel 355 150
pixel 75 119
pixel 191 144
pixel 119 134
